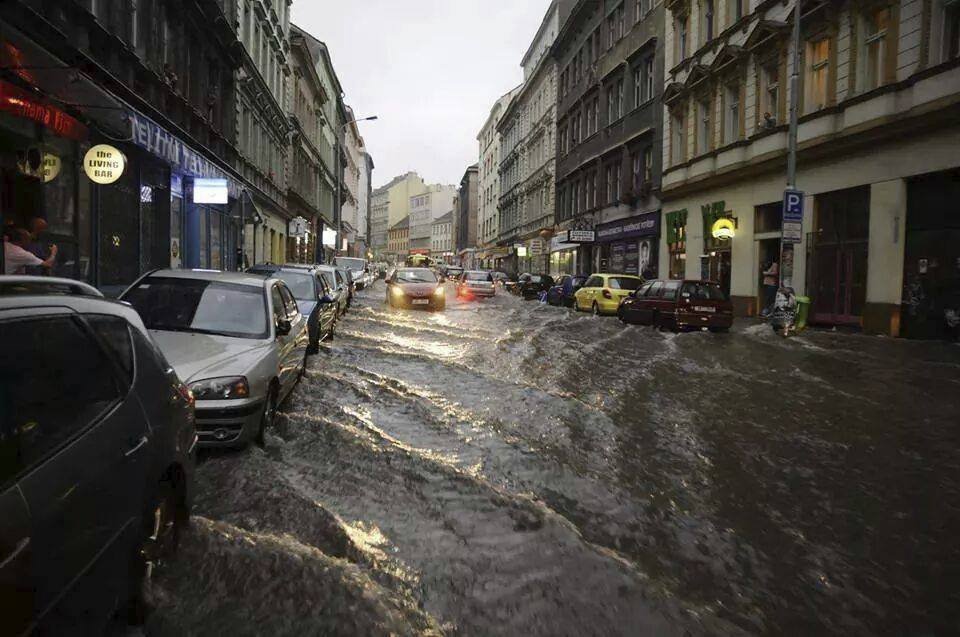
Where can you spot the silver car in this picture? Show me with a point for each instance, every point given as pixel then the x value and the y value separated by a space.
pixel 238 341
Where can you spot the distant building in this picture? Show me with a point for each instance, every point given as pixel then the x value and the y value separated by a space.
pixel 389 204
pixel 426 206
pixel 488 173
pixel 466 213
pixel 366 188
pixel 398 240
pixel 441 240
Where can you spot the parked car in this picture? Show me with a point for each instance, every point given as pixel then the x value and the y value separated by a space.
pixel 529 286
pixel 564 289
pixel 337 283
pixel 238 340
pixel 350 285
pixel 415 287
pixel 475 283
pixel 314 298
pixel 453 272
pixel 500 278
pixel 357 268
pixel 97 443
pixel 679 305
pixel 602 293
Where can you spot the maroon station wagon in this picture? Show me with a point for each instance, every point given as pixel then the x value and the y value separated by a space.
pixel 678 305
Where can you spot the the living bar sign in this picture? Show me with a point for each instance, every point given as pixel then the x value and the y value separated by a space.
pixel 104 164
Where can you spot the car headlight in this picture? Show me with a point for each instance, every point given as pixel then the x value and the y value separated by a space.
pixel 438 291
pixel 396 290
pixel 228 388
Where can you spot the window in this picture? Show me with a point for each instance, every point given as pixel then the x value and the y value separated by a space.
pixel 114 336
pixel 648 79
pixel 873 49
pixel 680 27
pixel 648 164
pixel 706 21
pixel 596 114
pixel 64 388
pixel 575 196
pixel 289 303
pixel 703 126
pixel 611 30
pixel 678 137
pixel 735 10
pixel 669 290
pixel 951 31
pixel 731 123
pixel 769 110
pixel 817 75
pixel 636 164
pixel 637 86
pixel 621 25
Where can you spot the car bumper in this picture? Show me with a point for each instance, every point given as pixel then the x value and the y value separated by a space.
pixel 227 423
pixel 407 302
pixel 698 321
pixel 488 292
pixel 608 306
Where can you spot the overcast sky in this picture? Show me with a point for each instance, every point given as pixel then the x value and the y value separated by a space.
pixel 430 69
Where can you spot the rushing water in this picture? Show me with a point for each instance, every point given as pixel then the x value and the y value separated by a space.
pixel 510 468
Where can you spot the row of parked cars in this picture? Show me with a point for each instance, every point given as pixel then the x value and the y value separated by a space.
pixel 670 304
pixel 103 405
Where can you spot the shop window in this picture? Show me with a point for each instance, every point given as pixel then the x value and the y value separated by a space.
pixel 216 240
pixel 676 233
pixel 768 218
pixel 155 217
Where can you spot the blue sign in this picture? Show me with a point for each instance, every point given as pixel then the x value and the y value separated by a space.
pixel 792 216
pixel 640 226
pixel 156 140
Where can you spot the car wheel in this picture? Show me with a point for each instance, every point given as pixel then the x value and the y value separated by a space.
pixel 596 309
pixel 333 329
pixel 620 315
pixel 268 417
pixel 163 522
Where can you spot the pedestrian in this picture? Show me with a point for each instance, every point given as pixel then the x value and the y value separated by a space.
pixel 16 257
pixel 771 281
pixel 37 226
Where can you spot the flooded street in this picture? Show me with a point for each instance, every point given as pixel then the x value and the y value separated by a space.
pixel 506 467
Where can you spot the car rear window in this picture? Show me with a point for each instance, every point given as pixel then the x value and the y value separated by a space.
pixel 703 292
pixel 623 283
pixel 300 284
pixel 479 276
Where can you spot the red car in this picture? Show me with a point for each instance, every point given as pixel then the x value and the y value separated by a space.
pixel 678 305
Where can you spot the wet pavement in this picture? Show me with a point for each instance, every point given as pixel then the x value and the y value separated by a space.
pixel 510 468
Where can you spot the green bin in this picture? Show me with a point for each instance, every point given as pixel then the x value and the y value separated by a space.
pixel 803 308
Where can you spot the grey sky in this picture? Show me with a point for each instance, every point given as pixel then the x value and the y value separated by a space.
pixel 430 69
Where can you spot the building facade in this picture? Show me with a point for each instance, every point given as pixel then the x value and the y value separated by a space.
pixel 354 232
pixel 528 150
pixel 431 203
pixel 177 119
pixel 467 212
pixel 398 241
pixel 390 203
pixel 366 190
pixel 263 131
pixel 441 239
pixel 488 174
pixel 879 94
pixel 609 121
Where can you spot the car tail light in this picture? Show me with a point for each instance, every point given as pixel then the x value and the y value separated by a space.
pixel 607 294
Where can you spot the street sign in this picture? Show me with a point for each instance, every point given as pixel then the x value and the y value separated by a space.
pixel 792 216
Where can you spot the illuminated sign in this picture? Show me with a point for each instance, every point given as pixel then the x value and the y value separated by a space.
pixel 723 228
pixel 521 251
pixel 18 102
pixel 51 167
pixel 210 191
pixel 581 236
pixel 104 164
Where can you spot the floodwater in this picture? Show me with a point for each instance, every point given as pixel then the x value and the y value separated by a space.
pixel 506 467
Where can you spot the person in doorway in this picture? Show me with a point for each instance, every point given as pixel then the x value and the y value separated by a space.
pixel 37 227
pixel 771 281
pixel 16 257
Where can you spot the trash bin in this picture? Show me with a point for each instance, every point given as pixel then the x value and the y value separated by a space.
pixel 803 308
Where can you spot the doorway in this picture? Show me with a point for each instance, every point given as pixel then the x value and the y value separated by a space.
pixel 715 266
pixel 768 251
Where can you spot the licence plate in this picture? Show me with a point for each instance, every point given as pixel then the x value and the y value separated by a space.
pixel 420 301
pixel 701 308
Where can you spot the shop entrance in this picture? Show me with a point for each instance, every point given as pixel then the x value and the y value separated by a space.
pixel 931 272
pixel 837 260
pixel 768 251
pixel 715 266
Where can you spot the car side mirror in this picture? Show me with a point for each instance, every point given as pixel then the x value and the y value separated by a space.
pixel 325 299
pixel 283 326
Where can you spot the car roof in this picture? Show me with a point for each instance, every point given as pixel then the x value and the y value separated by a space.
pixel 238 278
pixel 81 304
pixel 413 269
pixel 300 269
pixel 628 276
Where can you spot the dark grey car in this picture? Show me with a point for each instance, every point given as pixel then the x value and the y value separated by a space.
pixel 97 457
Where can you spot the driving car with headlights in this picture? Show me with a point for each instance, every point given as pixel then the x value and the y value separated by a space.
pixel 415 288
pixel 239 341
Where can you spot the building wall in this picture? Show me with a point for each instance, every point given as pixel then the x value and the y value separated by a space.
pixel 876 135
pixel 467 198
pixel 426 206
pixel 488 200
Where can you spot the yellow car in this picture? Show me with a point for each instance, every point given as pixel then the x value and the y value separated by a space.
pixel 602 293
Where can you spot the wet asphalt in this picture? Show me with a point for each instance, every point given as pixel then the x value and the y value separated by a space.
pixel 510 468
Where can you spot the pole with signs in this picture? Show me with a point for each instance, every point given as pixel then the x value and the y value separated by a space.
pixel 792 198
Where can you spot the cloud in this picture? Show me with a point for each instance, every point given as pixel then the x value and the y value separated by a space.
pixel 430 69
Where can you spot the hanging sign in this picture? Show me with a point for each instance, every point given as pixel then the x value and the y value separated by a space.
pixel 723 228
pixel 103 164
pixel 50 167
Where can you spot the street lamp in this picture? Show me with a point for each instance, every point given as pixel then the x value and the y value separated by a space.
pixel 336 247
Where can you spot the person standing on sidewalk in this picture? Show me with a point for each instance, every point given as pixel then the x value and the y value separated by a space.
pixel 771 281
pixel 16 257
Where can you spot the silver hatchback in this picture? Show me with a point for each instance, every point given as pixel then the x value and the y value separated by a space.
pixel 238 341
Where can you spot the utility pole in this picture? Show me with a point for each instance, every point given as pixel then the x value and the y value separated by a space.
pixel 786 264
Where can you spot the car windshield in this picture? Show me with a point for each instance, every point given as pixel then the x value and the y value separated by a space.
pixel 300 283
pixel 623 283
pixel 703 292
pixel 205 307
pixel 350 263
pixel 478 276
pixel 416 276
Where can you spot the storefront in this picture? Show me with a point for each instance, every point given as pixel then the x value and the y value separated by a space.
pixel 676 236
pixel 563 255
pixel 630 246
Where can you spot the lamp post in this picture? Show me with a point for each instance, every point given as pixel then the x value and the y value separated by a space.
pixel 336 247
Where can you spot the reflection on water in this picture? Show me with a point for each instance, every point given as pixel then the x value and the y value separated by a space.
pixel 511 468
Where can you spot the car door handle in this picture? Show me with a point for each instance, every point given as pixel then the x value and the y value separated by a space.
pixel 134 449
pixel 21 545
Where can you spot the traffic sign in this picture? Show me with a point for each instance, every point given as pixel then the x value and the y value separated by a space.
pixel 792 216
